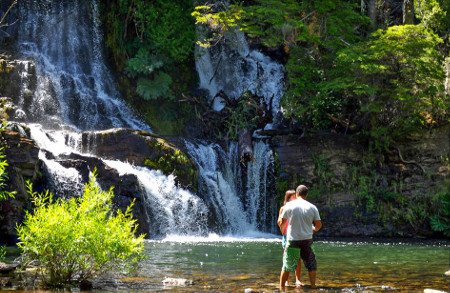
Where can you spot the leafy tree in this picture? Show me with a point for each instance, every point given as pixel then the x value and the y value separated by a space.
pixel 80 238
pixel 396 77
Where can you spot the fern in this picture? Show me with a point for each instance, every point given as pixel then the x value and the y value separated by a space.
pixel 440 221
pixel 151 89
pixel 143 63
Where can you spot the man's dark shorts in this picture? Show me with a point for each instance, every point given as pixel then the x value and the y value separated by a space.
pixel 291 255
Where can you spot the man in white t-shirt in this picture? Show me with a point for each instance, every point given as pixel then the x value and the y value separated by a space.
pixel 302 218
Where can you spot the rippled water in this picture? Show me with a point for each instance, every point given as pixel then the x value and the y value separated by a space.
pixel 232 265
pixel 221 264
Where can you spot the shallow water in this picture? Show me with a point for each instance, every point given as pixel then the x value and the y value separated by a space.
pixel 234 264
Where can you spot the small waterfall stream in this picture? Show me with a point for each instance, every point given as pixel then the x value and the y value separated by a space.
pixel 238 209
pixel 67 88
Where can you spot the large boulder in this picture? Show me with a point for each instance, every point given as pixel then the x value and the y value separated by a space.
pixel 141 149
pixel 23 164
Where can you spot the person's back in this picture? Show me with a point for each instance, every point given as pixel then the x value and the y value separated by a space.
pixel 300 215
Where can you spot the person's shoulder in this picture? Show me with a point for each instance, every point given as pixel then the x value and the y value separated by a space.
pixel 311 204
pixel 289 204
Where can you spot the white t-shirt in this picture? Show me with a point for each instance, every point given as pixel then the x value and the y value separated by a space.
pixel 300 215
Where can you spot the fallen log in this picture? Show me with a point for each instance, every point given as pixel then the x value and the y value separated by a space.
pixel 245 146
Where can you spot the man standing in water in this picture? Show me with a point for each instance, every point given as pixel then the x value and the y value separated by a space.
pixel 302 219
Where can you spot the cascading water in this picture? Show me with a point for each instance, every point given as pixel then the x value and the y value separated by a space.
pixel 65 86
pixel 236 210
pixel 232 67
pixel 170 209
pixel 74 90
pixel 73 86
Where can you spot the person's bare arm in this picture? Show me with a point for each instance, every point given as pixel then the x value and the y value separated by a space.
pixel 282 223
pixel 317 225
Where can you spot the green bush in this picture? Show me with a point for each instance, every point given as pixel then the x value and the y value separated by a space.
pixel 76 239
pixel 4 194
pixel 440 221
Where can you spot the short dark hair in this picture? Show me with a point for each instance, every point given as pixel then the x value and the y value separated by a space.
pixel 302 190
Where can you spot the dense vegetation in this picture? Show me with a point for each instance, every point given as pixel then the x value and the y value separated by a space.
pixel 152 44
pixel 381 77
pixel 76 239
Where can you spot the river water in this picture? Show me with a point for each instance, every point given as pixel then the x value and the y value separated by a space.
pixel 234 264
pixel 228 264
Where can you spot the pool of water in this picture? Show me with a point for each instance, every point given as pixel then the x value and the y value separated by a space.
pixel 233 265
pixel 221 264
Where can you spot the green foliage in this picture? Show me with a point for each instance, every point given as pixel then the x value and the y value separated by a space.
pixel 434 14
pixel 143 63
pixel 76 239
pixel 218 19
pixel 4 194
pixel 171 160
pixel 2 253
pixel 155 88
pixel 148 39
pixel 323 172
pixel 396 78
pixel 241 117
pixel 440 220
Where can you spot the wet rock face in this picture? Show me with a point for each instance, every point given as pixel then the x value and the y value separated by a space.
pixel 126 187
pixel 141 149
pixel 22 157
pixel 416 169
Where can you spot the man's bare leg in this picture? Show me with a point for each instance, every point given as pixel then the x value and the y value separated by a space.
pixel 298 274
pixel 312 278
pixel 284 276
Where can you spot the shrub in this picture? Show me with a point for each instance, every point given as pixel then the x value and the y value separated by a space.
pixel 80 238
pixel 4 194
pixel 440 221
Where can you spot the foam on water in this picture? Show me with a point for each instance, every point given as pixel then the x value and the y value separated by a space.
pixel 254 236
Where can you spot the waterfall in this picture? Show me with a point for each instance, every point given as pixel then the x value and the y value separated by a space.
pixel 73 84
pixel 232 67
pixel 171 210
pixel 67 88
pixel 237 210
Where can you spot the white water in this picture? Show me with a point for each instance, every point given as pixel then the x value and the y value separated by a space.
pixel 73 85
pixel 237 210
pixel 171 210
pixel 66 85
pixel 214 238
pixel 231 66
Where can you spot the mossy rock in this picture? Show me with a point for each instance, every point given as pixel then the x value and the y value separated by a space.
pixel 171 160
pixel 142 149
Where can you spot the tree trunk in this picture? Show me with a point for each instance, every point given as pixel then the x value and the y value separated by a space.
pixel 372 12
pixel 408 11
pixel 447 75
